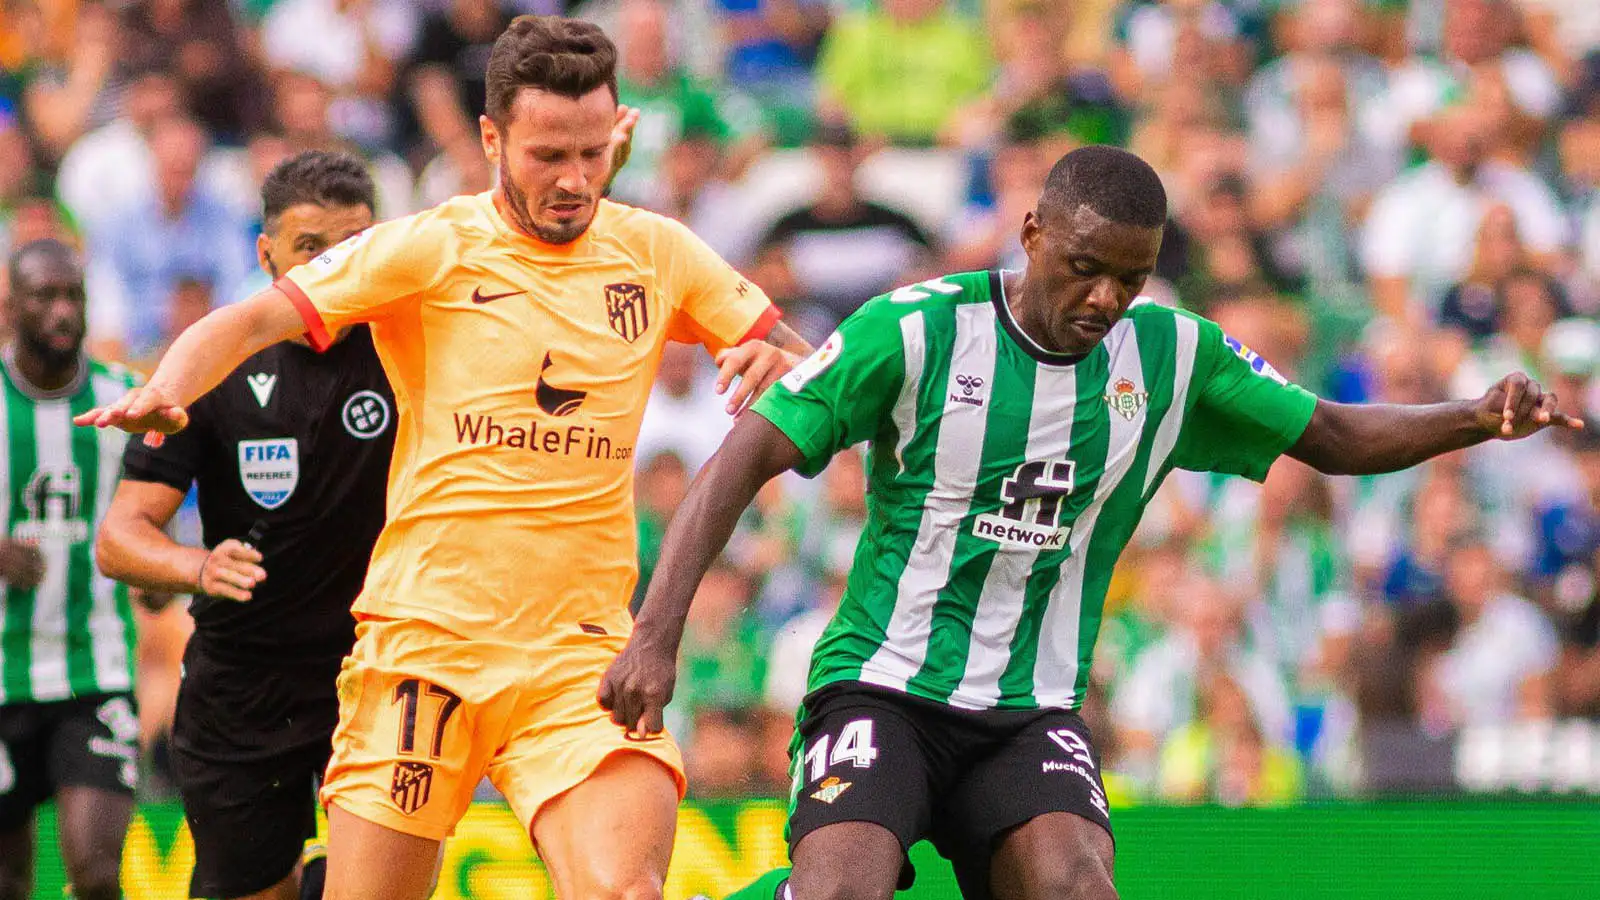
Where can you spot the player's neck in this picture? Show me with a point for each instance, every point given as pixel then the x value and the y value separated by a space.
pixel 37 375
pixel 1017 301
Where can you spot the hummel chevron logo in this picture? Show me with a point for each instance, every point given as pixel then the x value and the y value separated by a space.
pixel 478 296
pixel 261 385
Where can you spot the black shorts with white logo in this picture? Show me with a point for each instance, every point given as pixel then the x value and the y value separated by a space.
pixel 90 741
pixel 960 778
pixel 249 747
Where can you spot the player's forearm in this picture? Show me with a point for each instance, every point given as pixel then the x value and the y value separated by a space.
pixel 1370 439
pixel 135 551
pixel 703 523
pixel 211 348
pixel 786 339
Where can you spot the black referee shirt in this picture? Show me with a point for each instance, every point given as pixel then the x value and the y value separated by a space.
pixel 300 442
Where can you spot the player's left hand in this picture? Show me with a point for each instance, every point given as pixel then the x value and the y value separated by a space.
pixel 757 364
pixel 639 685
pixel 1517 407
pixel 622 139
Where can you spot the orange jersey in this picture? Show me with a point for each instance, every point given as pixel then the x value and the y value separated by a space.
pixel 520 372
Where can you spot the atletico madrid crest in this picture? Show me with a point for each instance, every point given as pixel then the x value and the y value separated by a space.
pixel 413 781
pixel 627 310
pixel 1125 398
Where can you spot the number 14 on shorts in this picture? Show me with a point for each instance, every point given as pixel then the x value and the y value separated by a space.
pixel 854 745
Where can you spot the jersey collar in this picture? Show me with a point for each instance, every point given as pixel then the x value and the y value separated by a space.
pixel 8 357
pixel 1002 309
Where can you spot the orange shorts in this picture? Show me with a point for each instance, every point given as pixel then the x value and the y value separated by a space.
pixel 425 714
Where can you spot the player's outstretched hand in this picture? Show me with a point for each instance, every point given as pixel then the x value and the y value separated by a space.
pixel 757 364
pixel 21 564
pixel 639 684
pixel 1517 407
pixel 145 410
pixel 231 571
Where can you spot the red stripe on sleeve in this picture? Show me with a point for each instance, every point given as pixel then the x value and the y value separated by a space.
pixel 316 331
pixel 763 326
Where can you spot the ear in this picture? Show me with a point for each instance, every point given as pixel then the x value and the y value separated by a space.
pixel 1032 233
pixel 490 136
pixel 264 258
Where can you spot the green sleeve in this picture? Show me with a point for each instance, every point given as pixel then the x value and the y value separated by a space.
pixel 1244 415
pixel 842 393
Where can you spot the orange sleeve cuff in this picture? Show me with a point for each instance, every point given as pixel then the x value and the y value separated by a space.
pixel 763 326
pixel 316 330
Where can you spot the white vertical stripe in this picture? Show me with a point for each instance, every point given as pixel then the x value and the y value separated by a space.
pixel 1188 339
pixel 52 425
pixel 956 461
pixel 1000 603
pixel 108 639
pixel 914 339
pixel 1055 669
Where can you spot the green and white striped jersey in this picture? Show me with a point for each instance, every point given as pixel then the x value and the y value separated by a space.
pixel 1004 480
pixel 73 634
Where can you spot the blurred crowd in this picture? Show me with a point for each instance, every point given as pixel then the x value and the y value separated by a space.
pixel 1392 201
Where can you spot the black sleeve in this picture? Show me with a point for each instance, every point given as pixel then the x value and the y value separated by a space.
pixel 177 462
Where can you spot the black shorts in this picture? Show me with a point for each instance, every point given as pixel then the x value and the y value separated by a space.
pixel 249 747
pixel 961 778
pixel 90 741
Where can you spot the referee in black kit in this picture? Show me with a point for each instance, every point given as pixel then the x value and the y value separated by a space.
pixel 290 455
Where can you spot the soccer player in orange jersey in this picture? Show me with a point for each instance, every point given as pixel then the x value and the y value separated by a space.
pixel 520 329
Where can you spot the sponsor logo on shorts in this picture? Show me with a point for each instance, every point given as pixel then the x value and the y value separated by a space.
pixel 1080 762
pixel 830 789
pixel 412 783
pixel 122 722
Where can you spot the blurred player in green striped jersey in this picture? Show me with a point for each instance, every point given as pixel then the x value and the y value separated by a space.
pixel 68 729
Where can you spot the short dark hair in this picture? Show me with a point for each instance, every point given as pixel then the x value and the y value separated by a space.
pixel 55 250
pixel 1112 182
pixel 548 53
pixel 319 177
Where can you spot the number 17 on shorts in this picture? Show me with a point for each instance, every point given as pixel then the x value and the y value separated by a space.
pixel 413 779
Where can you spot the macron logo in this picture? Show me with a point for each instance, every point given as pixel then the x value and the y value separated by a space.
pixel 261 385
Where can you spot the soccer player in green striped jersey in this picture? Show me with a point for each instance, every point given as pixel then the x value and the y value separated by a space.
pixel 1019 423
pixel 67 724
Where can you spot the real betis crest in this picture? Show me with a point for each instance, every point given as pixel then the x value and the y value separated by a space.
pixel 1125 398
pixel 831 789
